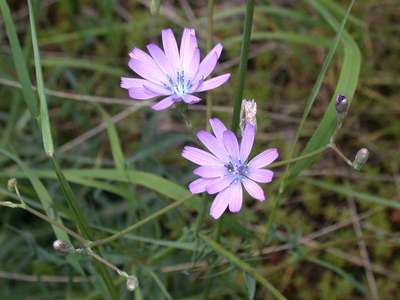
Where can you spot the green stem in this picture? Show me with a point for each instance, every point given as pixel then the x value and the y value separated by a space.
pixel 242 265
pixel 338 152
pixel 289 161
pixel 244 53
pixel 140 223
pixel 210 26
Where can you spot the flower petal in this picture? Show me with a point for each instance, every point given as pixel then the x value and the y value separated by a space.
pixel 260 175
pixel 236 197
pixel 210 171
pixel 128 83
pixel 156 89
pixel 212 144
pixel 170 47
pixel 253 189
pixel 219 204
pixel 218 128
pixel 231 144
pixel 199 185
pixel 200 157
pixel 147 71
pixel 192 67
pixel 141 93
pixel 188 45
pixel 213 83
pixel 190 99
pixel 219 185
pixel 160 59
pixel 264 158
pixel 209 62
pixel 164 103
pixel 247 141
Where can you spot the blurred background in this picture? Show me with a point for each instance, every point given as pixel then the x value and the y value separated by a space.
pixel 332 238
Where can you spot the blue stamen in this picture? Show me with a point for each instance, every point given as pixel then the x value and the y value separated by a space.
pixel 179 87
pixel 237 169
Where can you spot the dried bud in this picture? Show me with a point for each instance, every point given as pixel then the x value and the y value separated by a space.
pixel 155 7
pixel 341 105
pixel 131 283
pixel 360 159
pixel 63 246
pixel 248 112
pixel 11 184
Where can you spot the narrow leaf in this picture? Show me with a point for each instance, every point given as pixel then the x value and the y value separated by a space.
pixel 44 114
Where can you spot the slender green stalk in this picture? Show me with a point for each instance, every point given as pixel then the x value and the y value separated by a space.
pixel 85 250
pixel 242 265
pixel 82 224
pixel 289 161
pixel 140 223
pixel 210 28
pixel 244 53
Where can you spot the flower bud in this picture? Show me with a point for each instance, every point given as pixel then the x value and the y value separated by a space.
pixel 341 104
pixel 360 159
pixel 63 246
pixel 11 184
pixel 131 283
pixel 248 111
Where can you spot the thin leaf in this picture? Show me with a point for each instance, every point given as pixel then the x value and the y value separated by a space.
pixel 346 85
pixel 340 272
pixel 160 285
pixel 19 60
pixel 44 114
pixel 242 265
pixel 359 196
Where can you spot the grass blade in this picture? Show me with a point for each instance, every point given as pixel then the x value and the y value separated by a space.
pixel 359 196
pixel 242 265
pixel 19 60
pixel 340 272
pixel 44 114
pixel 346 85
pixel 46 201
pixel 160 285
pixel 82 225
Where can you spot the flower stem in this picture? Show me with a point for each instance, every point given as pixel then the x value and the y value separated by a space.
pixel 244 53
pixel 210 27
pixel 289 161
pixel 140 223
pixel 85 250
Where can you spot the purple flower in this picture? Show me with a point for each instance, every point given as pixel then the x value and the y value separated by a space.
pixel 173 73
pixel 225 169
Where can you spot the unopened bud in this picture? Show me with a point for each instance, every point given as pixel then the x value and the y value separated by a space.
pixel 11 184
pixel 248 111
pixel 131 283
pixel 155 7
pixel 341 104
pixel 360 159
pixel 63 246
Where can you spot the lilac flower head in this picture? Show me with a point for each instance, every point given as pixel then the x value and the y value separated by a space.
pixel 173 73
pixel 225 168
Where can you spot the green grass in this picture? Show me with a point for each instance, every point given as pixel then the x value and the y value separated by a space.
pixel 115 173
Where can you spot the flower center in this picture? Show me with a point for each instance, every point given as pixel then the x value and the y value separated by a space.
pixel 237 169
pixel 179 86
